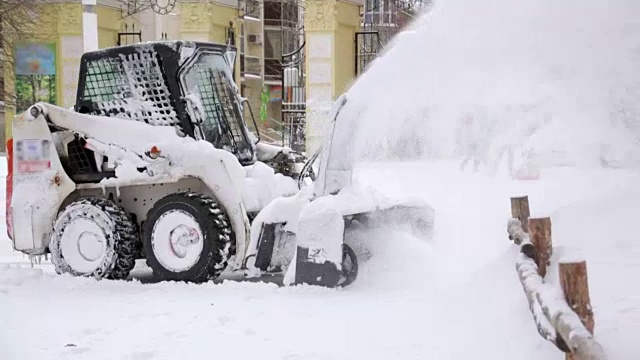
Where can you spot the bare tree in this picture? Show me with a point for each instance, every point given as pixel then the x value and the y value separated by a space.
pixel 18 17
pixel 18 20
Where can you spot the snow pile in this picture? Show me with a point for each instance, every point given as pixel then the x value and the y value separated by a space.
pixel 266 151
pixel 262 185
pixel 555 82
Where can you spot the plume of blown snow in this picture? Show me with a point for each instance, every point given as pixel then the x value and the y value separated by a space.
pixel 552 80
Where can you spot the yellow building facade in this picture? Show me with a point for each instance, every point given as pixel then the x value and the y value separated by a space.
pixel 330 27
pixel 330 30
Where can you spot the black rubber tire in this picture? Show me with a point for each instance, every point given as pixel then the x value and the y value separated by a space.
pixel 216 230
pixel 348 275
pixel 123 241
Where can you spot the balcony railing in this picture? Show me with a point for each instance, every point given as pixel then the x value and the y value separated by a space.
pixel 272 69
pixel 250 9
pixel 277 13
pixel 250 66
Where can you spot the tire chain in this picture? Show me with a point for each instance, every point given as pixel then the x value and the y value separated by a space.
pixel 128 248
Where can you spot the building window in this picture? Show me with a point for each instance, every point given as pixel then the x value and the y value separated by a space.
pixel 279 13
pixel 272 44
pixel 272 13
pixel 380 12
pixel 272 53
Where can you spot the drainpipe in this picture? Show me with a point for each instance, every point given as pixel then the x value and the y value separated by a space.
pixel 89 25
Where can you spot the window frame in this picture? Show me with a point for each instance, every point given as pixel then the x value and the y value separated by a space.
pixel 184 70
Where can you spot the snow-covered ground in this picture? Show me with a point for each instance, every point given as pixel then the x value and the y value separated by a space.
pixel 556 82
pixel 457 297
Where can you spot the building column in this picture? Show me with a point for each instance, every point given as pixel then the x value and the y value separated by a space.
pixel 89 25
pixel 194 21
pixel 73 43
pixel 330 29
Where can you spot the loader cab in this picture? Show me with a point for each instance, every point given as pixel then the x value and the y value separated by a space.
pixel 212 102
pixel 181 84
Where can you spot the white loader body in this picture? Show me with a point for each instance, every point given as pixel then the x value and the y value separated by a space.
pixel 183 163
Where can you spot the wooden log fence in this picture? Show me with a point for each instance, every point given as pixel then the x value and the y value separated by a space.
pixel 562 315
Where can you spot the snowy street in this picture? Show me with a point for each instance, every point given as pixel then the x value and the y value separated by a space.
pixel 471 103
pixel 457 297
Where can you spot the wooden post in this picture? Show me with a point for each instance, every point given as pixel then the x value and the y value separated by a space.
pixel 520 210
pixel 575 286
pixel 540 234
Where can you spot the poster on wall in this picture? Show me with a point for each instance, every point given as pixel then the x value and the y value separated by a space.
pixel 35 71
pixel 275 93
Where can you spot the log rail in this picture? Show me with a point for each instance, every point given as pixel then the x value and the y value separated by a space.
pixel 562 315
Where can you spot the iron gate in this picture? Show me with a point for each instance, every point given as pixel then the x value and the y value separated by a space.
pixel 127 37
pixel 367 47
pixel 293 100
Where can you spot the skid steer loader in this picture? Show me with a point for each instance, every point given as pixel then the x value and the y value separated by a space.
pixel 156 162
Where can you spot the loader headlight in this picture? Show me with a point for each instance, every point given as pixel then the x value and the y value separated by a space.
pixel 34 111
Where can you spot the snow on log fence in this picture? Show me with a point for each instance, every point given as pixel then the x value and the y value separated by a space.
pixel 562 316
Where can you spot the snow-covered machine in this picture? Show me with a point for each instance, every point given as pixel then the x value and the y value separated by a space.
pixel 156 162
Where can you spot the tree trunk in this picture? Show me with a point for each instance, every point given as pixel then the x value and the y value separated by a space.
pixel 520 211
pixel 32 79
pixel 540 230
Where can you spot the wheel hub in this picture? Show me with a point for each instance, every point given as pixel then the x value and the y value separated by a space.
pixel 177 240
pixel 181 238
pixel 90 246
pixel 83 244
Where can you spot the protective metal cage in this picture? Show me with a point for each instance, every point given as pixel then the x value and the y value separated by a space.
pixel 130 86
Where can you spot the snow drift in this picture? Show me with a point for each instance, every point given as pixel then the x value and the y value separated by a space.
pixel 552 81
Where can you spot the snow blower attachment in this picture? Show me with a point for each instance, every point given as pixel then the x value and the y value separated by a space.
pixel 306 233
pixel 156 162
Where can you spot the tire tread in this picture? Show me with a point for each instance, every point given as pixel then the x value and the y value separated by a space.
pixel 219 253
